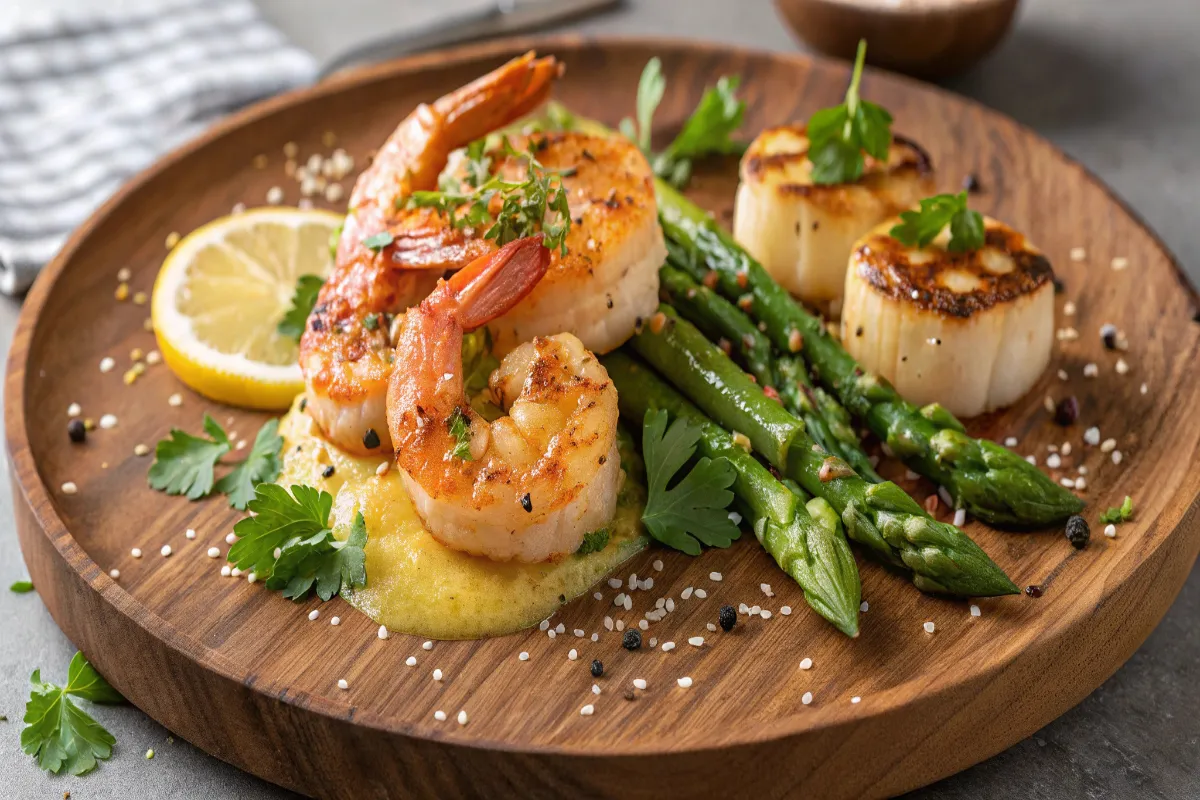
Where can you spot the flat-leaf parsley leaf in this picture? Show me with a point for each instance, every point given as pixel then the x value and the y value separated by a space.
pixel 304 297
pixel 59 734
pixel 838 136
pixel 261 466
pixel 183 463
pixel 919 228
pixel 693 511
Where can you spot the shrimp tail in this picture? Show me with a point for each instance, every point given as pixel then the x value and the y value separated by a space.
pixel 491 285
pixel 496 99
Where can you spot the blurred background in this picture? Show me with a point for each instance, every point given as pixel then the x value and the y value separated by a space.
pixel 1116 84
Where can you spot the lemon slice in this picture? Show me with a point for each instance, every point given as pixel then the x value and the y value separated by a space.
pixel 221 292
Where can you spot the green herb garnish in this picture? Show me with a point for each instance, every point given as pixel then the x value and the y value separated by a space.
pixel 304 297
pixel 537 203
pixel 693 511
pixel 21 587
pixel 706 132
pixel 371 321
pixel 296 526
pixel 919 228
pixel 59 734
pixel 460 429
pixel 838 136
pixel 378 241
pixel 1115 515
pixel 594 542
pixel 185 464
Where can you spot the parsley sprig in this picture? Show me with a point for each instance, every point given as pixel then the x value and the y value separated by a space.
pixel 460 429
pixel 838 136
pixel 289 544
pixel 185 464
pixel 693 510
pixel 708 131
pixel 919 228
pixel 58 733
pixel 594 542
pixel 304 297
pixel 537 203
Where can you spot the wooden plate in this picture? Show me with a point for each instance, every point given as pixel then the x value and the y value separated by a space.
pixel 244 674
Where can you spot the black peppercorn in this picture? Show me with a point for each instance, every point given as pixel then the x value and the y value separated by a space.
pixel 370 439
pixel 1067 411
pixel 971 183
pixel 728 618
pixel 1108 335
pixel 303 404
pixel 76 430
pixel 629 695
pixel 597 668
pixel 1059 286
pixel 1033 590
pixel 527 503
pixel 1078 532
pixel 327 472
pixel 632 640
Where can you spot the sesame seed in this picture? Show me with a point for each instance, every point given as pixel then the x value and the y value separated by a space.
pixel 700 594
pixel 639 683
pixel 462 717
pixel 807 698
pixel 1053 461
pixel 1078 254
pixel 114 573
pixel 439 715
pixel 108 421
pixel 855 700
pixel 715 576
pixel 69 487
pixel 686 594
pixel 274 196
pixel 411 661
pixel 1090 370
pixel 230 538
pixel 658 565
pixel 572 655
pixel 615 583
pixel 765 614
pixel 1069 308
pixel 589 709
pixel 226 571
pixel 929 627
pixel 335 621
pixel 806 663
pixel 1119 263
pixel 864 606
pixel 595 688
pixel 235 572
pixel 1116 457
pixel 342 684
pixel 960 517
pixel 166 550
pixel 251 577
pixel 383 632
pixel 312 615
pixel 107 364
pixel 786 611
pixel 684 682
pixel 214 552
pixel 1110 531
pixel 74 410
pixel 644 624
pixel 668 647
pixel 1121 367
pixel 175 400
pixel 136 552
pixel 427 646
pixel 696 641
pixel 1108 446
pixel 975 612
pixel 437 674
pixel 1092 436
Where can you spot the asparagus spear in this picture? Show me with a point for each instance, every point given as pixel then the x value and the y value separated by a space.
pixel 989 481
pixel 805 540
pixel 881 517
pixel 826 421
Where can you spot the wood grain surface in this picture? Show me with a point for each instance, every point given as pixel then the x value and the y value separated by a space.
pixel 244 674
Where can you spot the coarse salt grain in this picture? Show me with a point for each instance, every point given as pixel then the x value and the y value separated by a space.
pixel 765 614
pixel 226 571
pixel 1121 367
pixel 929 627
pixel 960 517
pixel 274 195
pixel 312 615
pixel 1080 483
pixel 595 688
pixel 1065 449
pixel 1062 375
pixel 1068 483
pixel 766 589
pixel 1078 254
pixel 1108 446
pixel 806 663
pixel 1011 441
pixel 807 698
pixel 1032 459
pixel 342 684
pixel 864 606
pixel 1119 263
pixel 701 594
pixel 1144 389
pixel 1053 461
pixel 523 656
pixel 560 628
pixel 235 572
pixel 1069 308
pixel 715 576
pixel 462 717
pixel 136 552
pixel 686 594
pixel 615 583
pixel 427 645
pixel 639 683
pixel 383 632
pixel 644 624
pixel 855 700
pixel 668 647
pixel 230 538
pixel 696 641
pixel 214 552
pixel 684 682
pixel 786 611
pixel 587 710
pixel 1090 370
pixel 711 627
pixel 975 612
pixel 598 596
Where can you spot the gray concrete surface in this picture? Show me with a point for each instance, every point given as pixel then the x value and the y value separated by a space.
pixel 1117 85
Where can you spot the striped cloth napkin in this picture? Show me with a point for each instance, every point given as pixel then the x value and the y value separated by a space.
pixel 88 99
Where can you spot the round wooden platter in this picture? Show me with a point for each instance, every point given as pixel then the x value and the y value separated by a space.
pixel 243 673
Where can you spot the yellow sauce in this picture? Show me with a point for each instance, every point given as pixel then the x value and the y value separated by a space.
pixel 417 585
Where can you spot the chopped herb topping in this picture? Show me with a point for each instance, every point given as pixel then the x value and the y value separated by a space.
pixel 919 228
pixel 1115 515
pixel 371 321
pixel 21 587
pixel 692 512
pixel 304 297
pixel 378 241
pixel 594 542
pixel 460 429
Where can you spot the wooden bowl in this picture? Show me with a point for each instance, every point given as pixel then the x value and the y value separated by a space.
pixel 244 674
pixel 924 38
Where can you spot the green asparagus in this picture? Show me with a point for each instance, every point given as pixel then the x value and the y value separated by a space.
pixel 824 418
pixel 805 540
pixel 989 481
pixel 880 517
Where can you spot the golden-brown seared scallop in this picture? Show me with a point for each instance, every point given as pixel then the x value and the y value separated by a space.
pixel 608 280
pixel 802 232
pixel 970 330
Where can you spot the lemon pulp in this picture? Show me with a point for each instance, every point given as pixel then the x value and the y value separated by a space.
pixel 416 584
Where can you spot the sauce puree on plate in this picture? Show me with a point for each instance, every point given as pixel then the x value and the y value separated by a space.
pixel 417 585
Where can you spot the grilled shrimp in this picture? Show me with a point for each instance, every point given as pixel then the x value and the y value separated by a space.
pixel 607 282
pixel 530 484
pixel 389 257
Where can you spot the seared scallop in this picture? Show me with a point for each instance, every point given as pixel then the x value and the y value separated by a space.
pixel 803 232
pixel 970 330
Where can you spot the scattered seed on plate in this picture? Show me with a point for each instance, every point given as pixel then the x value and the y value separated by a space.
pixel 1108 445
pixel 855 700
pixel 108 421
pixel 235 572
pixel 696 641
pixel 715 576
pixel 107 364
pixel 383 632
pixel 668 647
pixel 807 698
pixel 437 675
pixel 175 400
pixel 114 573
pixel 686 594
pixel 312 615
pixel 700 594
pixel 587 710
pixel 462 717
pixel 658 565
pixel 684 682
pixel 598 596
pixel 230 538
pixel 806 663
pixel 439 715
pixel 929 627
pixel 226 571
pixel 411 661
pixel 1110 531
pixel 214 552
pixel 69 487
pixel 1090 370
pixel 572 655
pixel 252 577
pixel 342 684
pixel 335 621
pixel 1116 456
pixel 711 627
pixel 136 552
pixel 74 410
pixel 639 683
pixel 595 688
pixel 1121 367
pixel 427 646
pixel 785 611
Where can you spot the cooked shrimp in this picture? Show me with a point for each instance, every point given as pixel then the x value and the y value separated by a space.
pixel 526 486
pixel 608 280
pixel 345 353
